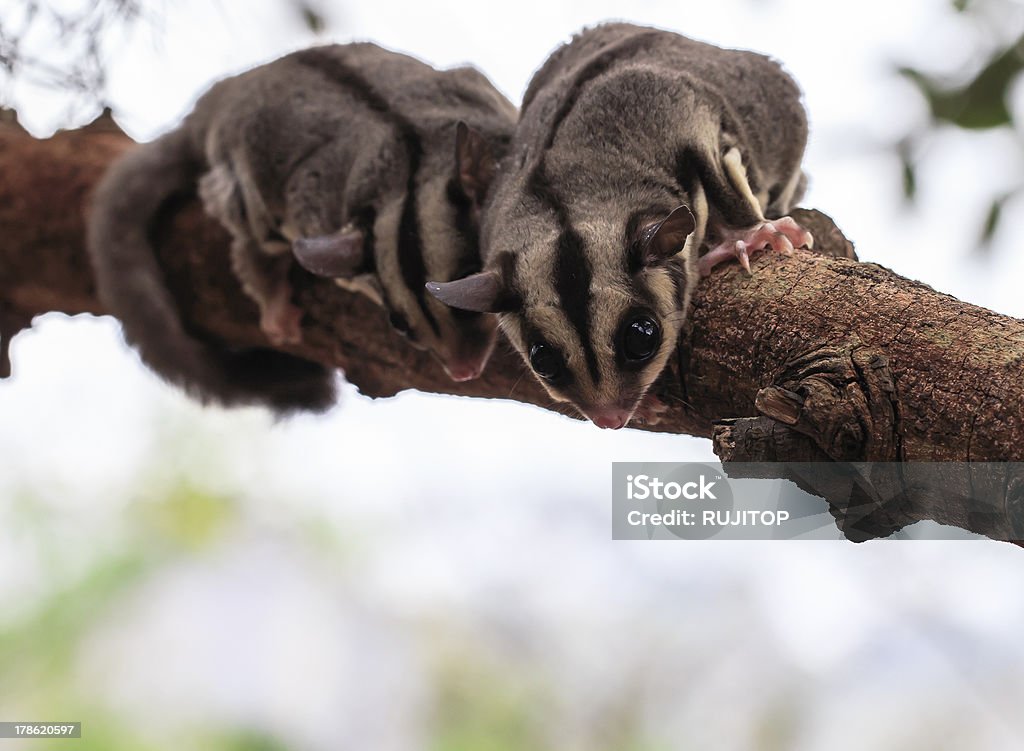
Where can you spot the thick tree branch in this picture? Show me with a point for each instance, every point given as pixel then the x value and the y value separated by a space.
pixel 868 365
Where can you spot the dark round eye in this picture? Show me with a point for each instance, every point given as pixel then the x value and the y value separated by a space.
pixel 399 323
pixel 547 362
pixel 641 337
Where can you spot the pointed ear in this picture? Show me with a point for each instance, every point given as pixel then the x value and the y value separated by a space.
pixel 482 293
pixel 474 163
pixel 667 237
pixel 337 256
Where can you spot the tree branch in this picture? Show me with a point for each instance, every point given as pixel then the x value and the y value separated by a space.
pixel 831 358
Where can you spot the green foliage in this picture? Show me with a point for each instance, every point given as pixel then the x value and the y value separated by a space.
pixel 482 711
pixel 975 104
pixel 43 642
pixel 40 647
pixel 247 740
pixel 995 212
pixel 981 102
pixel 38 652
pixel 909 170
pixel 100 732
pixel 488 704
pixel 186 516
pixel 312 17
pixel 994 215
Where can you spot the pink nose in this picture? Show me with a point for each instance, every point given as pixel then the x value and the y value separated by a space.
pixel 610 418
pixel 463 371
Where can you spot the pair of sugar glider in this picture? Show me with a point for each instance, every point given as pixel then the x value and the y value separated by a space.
pixel 640 160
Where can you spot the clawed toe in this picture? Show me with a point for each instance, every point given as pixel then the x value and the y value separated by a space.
pixel 796 234
pixel 742 256
pixel 781 235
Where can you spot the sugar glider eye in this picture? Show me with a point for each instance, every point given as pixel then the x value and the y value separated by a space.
pixel 547 362
pixel 640 338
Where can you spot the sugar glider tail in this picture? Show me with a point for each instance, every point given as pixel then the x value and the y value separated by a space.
pixel 132 286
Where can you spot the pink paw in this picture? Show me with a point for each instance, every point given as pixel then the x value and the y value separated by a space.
pixel 650 410
pixel 780 235
pixel 281 323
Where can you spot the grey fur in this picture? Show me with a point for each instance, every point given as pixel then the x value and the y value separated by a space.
pixel 618 128
pixel 319 141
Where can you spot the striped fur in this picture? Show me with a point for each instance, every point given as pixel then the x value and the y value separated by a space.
pixel 618 128
pixel 338 139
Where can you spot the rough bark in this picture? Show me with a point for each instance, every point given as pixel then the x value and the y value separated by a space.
pixel 811 357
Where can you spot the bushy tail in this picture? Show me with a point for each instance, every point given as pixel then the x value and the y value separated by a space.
pixel 131 285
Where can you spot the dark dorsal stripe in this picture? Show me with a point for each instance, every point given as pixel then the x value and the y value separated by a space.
pixel 592 70
pixel 573 274
pixel 410 246
pixel 572 283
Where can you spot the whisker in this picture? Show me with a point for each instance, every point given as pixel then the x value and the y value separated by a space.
pixel 677 399
pixel 515 385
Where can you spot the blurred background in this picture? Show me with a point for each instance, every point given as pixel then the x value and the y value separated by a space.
pixel 431 572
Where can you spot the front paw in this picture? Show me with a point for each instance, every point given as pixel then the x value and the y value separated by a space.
pixel 780 235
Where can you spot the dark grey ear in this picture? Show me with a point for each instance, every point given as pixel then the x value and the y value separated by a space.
pixel 482 293
pixel 340 255
pixel 474 162
pixel 666 238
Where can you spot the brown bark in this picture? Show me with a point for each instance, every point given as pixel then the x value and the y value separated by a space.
pixel 820 357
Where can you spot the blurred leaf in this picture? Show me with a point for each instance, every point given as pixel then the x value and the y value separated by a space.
pixel 483 708
pixel 186 516
pixel 909 179
pixel 101 731
pixel 908 169
pixel 994 217
pixel 249 740
pixel 979 104
pixel 311 16
pixel 995 213
pixel 961 5
pixel 46 640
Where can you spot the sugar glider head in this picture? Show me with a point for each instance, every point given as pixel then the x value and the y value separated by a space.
pixel 431 231
pixel 595 306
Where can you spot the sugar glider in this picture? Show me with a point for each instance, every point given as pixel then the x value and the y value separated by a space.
pixel 636 149
pixel 365 165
